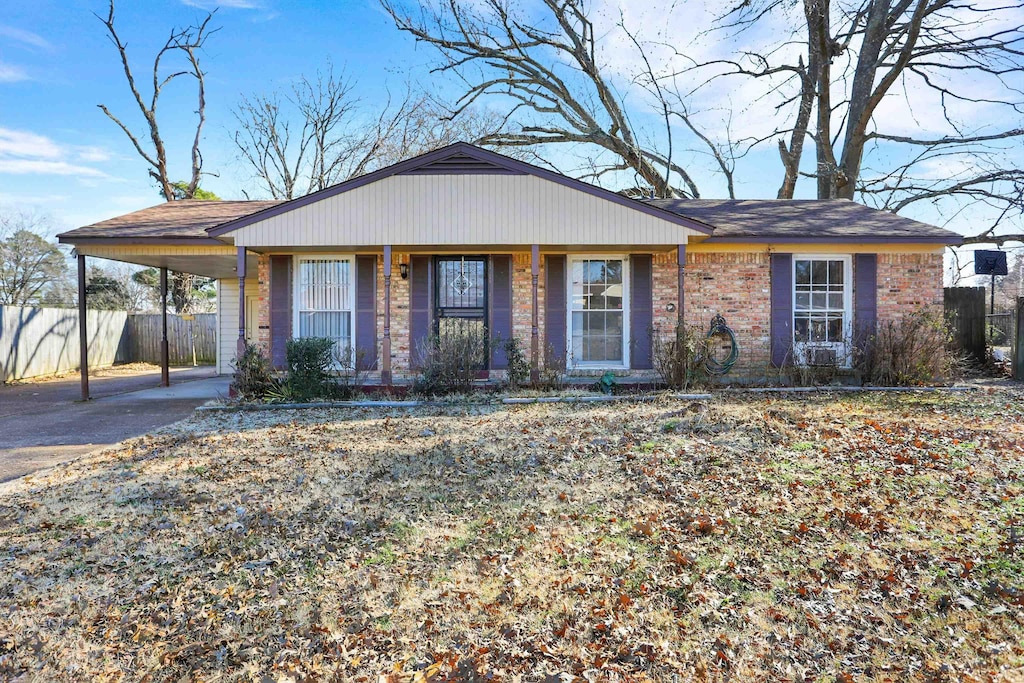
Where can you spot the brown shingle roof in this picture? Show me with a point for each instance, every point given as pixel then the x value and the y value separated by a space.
pixel 183 219
pixel 804 220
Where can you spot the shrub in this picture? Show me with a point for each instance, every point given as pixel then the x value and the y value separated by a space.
pixel 679 357
pixel 450 362
pixel 553 375
pixel 518 371
pixel 310 365
pixel 915 350
pixel 254 375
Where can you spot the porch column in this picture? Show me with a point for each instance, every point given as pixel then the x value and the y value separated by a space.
pixel 385 372
pixel 83 333
pixel 240 269
pixel 165 362
pixel 681 261
pixel 535 330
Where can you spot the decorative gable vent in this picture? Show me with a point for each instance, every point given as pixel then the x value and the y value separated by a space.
pixel 459 164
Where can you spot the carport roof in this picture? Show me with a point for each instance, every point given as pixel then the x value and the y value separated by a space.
pixel 182 221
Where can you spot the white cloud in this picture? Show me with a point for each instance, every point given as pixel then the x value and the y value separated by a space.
pixel 11 73
pixel 26 37
pixel 24 152
pixel 42 167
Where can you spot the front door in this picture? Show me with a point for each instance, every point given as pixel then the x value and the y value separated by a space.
pixel 460 296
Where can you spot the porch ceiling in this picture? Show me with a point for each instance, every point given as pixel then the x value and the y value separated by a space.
pixel 218 262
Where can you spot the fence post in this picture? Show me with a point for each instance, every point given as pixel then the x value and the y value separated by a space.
pixel 1018 343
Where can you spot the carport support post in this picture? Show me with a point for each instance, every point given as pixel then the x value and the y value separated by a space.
pixel 83 333
pixel 535 329
pixel 681 297
pixel 240 269
pixel 385 371
pixel 165 357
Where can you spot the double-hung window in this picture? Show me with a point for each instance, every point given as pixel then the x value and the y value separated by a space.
pixel 324 300
pixel 821 309
pixel 598 312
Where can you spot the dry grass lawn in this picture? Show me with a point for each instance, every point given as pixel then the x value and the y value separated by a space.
pixel 849 538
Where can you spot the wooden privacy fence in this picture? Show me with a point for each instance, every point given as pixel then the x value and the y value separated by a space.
pixel 965 313
pixel 188 341
pixel 44 341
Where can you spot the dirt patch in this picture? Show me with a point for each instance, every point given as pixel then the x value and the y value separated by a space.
pixel 859 537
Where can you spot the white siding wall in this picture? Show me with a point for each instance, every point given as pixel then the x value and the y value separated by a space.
pixel 461 210
pixel 227 322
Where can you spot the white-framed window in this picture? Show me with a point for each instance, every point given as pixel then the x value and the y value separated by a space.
pixel 598 311
pixel 822 315
pixel 325 300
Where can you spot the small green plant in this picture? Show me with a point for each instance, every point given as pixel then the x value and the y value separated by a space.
pixel 310 364
pixel 606 385
pixel 254 375
pixel 518 364
pixel 679 357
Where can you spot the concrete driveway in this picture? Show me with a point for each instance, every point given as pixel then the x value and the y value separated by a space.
pixel 43 423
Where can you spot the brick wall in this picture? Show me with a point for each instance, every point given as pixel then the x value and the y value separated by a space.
pixel 263 329
pixel 522 302
pixel 907 282
pixel 736 285
pixel 400 352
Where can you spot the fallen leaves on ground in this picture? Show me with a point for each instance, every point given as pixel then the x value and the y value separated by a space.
pixel 850 538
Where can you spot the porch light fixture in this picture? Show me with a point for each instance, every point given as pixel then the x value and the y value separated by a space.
pixel 403 270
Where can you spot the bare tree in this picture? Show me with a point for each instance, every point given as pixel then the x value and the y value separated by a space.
pixel 320 133
pixel 550 68
pixel 31 267
pixel 188 41
pixel 856 54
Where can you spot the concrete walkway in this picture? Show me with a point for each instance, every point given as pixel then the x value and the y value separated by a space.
pixel 43 423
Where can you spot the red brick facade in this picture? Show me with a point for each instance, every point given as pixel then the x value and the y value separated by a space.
pixel 735 284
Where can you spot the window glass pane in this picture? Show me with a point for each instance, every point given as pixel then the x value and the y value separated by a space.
pixel 817 330
pixel 803 272
pixel 801 329
pixel 835 301
pixel 835 272
pixel 819 272
pixel 613 323
pixel 613 269
pixel 835 328
pixel 803 300
pixel 817 301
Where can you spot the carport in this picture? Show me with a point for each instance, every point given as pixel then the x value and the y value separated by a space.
pixel 171 237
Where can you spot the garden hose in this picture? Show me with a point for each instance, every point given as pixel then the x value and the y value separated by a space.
pixel 711 363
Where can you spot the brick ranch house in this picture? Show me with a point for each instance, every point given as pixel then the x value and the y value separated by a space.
pixel 380 262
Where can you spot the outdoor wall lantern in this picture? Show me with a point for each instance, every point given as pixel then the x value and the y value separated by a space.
pixel 403 270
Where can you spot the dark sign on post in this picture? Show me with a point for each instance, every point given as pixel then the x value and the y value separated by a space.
pixel 990 262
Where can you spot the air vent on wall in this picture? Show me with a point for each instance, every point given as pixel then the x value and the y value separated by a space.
pixel 461 164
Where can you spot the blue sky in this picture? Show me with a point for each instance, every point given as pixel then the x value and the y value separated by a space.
pixel 59 154
pixel 57 65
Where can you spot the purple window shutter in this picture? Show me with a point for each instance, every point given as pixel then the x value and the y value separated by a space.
pixel 280 308
pixel 500 287
pixel 420 296
pixel 554 305
pixel 366 312
pixel 641 311
pixel 782 307
pixel 865 297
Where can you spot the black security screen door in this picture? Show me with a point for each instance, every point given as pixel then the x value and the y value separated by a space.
pixel 461 302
